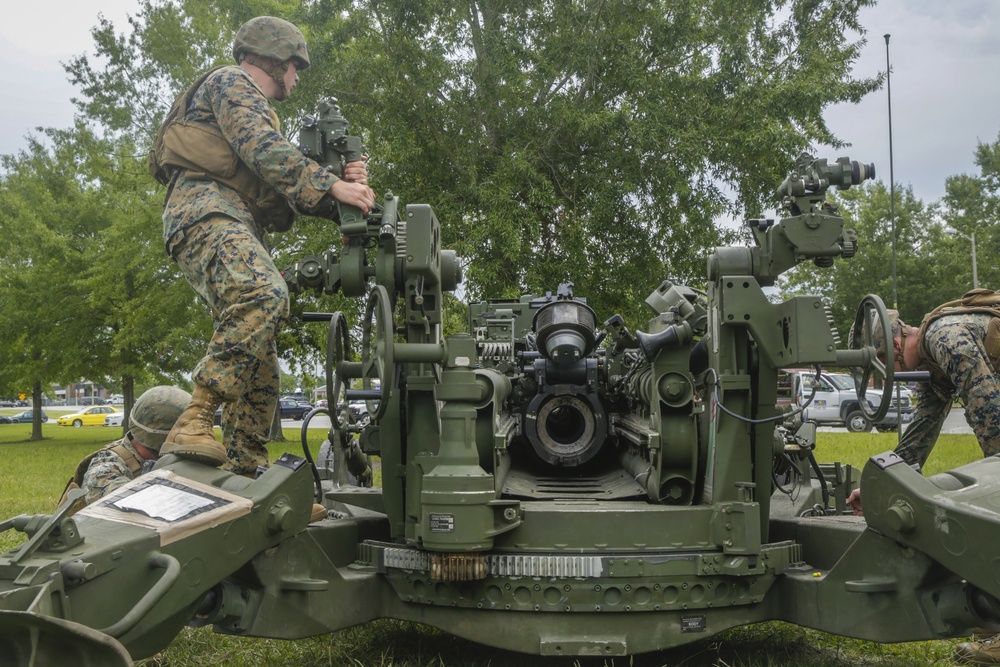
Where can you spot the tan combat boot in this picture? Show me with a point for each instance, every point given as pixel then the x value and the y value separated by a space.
pixel 193 435
pixel 985 652
pixel 318 513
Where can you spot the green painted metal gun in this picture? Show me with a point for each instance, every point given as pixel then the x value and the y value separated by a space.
pixel 572 486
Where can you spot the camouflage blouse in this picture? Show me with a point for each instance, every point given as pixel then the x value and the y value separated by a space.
pixel 231 99
pixel 108 471
pixel 957 345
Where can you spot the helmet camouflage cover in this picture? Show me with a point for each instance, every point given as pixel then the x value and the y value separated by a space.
pixel 895 324
pixel 154 414
pixel 271 37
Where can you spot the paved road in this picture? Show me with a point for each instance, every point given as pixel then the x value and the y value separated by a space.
pixel 290 425
pixel 955 423
pixel 319 421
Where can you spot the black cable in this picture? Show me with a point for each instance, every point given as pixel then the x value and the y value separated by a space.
pixel 821 478
pixel 305 449
pixel 776 418
pixel 794 473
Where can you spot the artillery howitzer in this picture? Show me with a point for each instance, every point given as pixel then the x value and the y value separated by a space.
pixel 552 483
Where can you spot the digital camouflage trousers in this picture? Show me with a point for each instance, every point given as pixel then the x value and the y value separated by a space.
pixel 232 271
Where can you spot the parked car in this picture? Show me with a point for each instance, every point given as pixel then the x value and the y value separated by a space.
pixel 88 417
pixel 115 419
pixel 291 409
pixel 836 400
pixel 25 417
pixel 7 404
pixel 360 411
pixel 91 400
pixel 4 419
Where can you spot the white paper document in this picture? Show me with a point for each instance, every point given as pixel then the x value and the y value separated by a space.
pixel 163 502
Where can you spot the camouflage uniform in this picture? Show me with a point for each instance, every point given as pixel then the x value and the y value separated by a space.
pixel 108 471
pixel 956 344
pixel 211 234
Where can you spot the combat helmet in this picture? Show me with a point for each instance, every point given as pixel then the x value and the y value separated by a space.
pixel 271 37
pixel 896 325
pixel 155 412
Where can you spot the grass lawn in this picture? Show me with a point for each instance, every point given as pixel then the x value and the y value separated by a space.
pixel 33 474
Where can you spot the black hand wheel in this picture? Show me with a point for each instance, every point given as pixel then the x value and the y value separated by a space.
pixel 338 356
pixel 376 351
pixel 871 331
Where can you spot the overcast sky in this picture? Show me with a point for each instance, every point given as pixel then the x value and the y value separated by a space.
pixel 945 57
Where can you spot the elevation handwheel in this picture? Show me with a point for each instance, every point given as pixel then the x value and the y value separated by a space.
pixel 871 328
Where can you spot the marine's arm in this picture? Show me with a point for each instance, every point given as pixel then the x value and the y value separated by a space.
pixel 244 117
pixel 933 405
pixel 961 353
pixel 106 473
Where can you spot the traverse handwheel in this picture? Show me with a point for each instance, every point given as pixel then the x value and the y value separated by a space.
pixel 376 351
pixel 871 332
pixel 338 356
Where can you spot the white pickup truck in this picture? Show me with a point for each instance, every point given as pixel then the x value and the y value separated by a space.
pixel 836 400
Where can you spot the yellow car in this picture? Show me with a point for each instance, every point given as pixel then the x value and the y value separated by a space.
pixel 87 417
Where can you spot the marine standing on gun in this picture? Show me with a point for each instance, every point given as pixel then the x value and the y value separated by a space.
pixel 232 176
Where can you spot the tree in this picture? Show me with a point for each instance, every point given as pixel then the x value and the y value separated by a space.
pixel 971 205
pixel 91 292
pixel 932 266
pixel 44 222
pixel 590 140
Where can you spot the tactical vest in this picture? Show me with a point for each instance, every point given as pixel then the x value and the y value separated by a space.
pixel 977 301
pixel 201 148
pixel 76 481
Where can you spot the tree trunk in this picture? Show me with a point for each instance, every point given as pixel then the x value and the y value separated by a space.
pixel 276 434
pixel 36 411
pixel 128 393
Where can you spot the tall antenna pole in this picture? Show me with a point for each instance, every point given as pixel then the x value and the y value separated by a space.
pixel 892 224
pixel 892 176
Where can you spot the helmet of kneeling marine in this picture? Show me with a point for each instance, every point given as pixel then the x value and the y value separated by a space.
pixel 154 414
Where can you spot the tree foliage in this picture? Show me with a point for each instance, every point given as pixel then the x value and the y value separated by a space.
pixel 594 141
pixel 38 268
pixel 971 206
pixel 89 291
